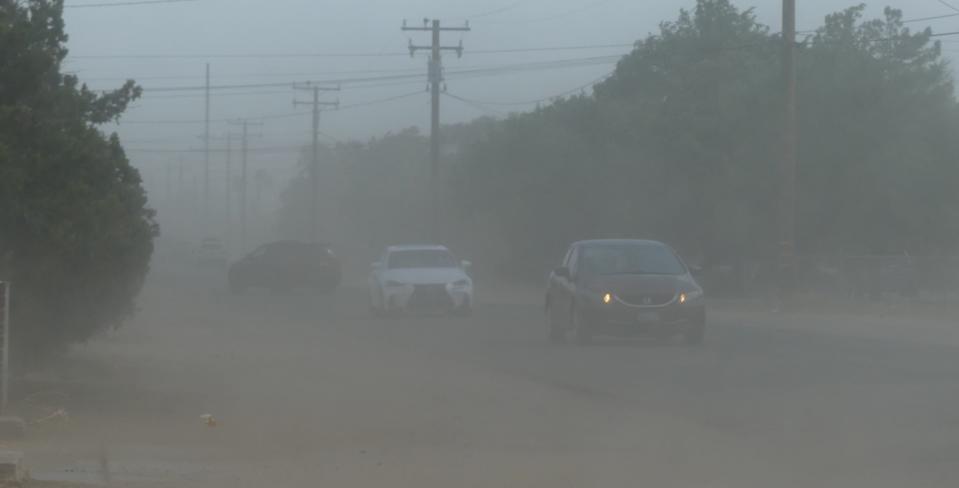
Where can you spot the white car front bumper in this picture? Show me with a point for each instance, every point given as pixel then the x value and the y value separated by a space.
pixel 427 297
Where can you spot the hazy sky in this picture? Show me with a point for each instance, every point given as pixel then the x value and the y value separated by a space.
pixel 226 32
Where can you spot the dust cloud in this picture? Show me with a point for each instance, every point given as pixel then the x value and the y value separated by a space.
pixel 790 319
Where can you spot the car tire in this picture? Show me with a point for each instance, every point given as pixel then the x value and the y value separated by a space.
pixel 695 333
pixel 581 328
pixel 557 333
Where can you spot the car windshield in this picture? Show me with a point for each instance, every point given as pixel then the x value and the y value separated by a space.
pixel 421 258
pixel 610 259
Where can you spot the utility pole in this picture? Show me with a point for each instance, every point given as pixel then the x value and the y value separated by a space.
pixel 229 180
pixel 245 124
pixel 435 75
pixel 206 152
pixel 168 198
pixel 315 164
pixel 228 183
pixel 787 218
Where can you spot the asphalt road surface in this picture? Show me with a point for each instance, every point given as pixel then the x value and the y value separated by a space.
pixel 313 391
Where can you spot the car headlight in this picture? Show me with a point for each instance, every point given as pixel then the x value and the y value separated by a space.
pixel 393 283
pixel 460 284
pixel 607 298
pixel 690 296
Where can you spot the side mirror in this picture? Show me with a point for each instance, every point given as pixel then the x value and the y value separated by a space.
pixel 562 272
pixel 374 265
pixel 696 271
pixel 466 264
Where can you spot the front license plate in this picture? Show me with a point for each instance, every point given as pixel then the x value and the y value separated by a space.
pixel 648 317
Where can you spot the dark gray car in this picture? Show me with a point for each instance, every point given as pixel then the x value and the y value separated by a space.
pixel 624 287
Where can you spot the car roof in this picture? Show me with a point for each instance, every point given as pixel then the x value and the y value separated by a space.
pixel 417 247
pixel 592 242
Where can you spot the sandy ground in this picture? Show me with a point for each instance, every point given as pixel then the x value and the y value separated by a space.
pixel 311 391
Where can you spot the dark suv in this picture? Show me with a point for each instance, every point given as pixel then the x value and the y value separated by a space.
pixel 285 265
pixel 624 288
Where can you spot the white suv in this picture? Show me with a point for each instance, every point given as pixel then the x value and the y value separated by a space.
pixel 423 278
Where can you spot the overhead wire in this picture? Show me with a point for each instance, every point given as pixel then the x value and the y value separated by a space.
pixel 123 4
pixel 270 116
pixel 493 70
pixel 341 55
pixel 497 11
pixel 537 100
pixel 949 5
pixel 555 16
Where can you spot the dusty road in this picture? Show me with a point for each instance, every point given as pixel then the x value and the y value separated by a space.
pixel 313 392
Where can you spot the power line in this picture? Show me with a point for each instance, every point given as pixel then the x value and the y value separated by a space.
pixel 947 4
pixel 202 121
pixel 345 72
pixel 342 55
pixel 200 150
pixel 556 16
pixel 496 11
pixel 381 100
pixel 477 106
pixel 272 116
pixel 123 4
pixel 553 48
pixel 270 74
pixel 934 17
pixel 148 98
pixel 560 63
pixel 538 100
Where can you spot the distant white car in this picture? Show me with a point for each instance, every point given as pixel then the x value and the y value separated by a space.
pixel 424 278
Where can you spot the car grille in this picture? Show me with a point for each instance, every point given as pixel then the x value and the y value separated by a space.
pixel 430 297
pixel 647 299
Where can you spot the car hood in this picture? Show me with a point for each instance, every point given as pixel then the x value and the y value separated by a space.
pixel 424 276
pixel 639 283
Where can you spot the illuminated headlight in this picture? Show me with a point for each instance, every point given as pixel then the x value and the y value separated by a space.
pixel 607 298
pixel 460 284
pixel 690 296
pixel 393 283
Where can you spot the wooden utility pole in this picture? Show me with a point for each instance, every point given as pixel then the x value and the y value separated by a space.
pixel 4 344
pixel 435 74
pixel 315 164
pixel 244 144
pixel 229 181
pixel 787 215
pixel 206 152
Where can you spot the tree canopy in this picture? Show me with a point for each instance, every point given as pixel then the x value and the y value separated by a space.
pixel 682 143
pixel 76 235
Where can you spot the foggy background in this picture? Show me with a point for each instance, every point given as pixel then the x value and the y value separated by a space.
pixel 520 53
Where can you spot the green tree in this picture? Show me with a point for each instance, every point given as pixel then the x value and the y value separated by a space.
pixel 681 143
pixel 877 159
pixel 76 235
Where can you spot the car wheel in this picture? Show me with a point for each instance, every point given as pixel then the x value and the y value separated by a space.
pixel 557 333
pixel 696 331
pixel 581 327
